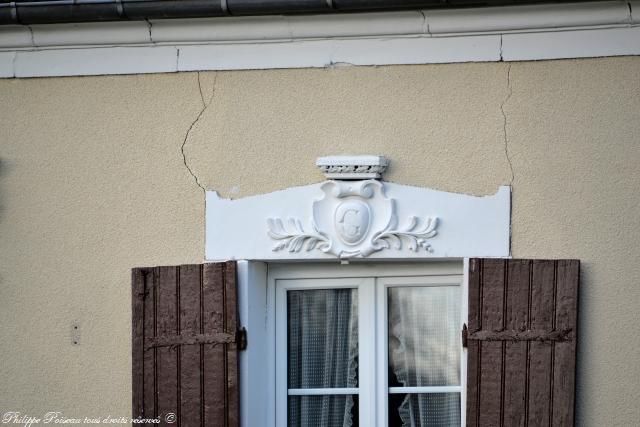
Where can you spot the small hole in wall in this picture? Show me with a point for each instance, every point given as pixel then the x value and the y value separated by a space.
pixel 75 333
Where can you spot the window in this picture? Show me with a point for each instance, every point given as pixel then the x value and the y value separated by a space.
pixel 359 331
pixel 369 345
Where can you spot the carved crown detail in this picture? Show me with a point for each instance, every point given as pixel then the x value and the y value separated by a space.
pixel 353 167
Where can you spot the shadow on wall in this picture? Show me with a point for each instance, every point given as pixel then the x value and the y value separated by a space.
pixel 3 173
pixel 584 306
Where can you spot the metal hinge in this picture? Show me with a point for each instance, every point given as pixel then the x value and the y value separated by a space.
pixel 241 338
pixel 465 335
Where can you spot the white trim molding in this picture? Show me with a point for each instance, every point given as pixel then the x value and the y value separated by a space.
pixel 357 219
pixel 509 33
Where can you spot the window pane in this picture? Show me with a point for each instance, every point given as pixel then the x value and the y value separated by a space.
pixel 323 411
pixel 424 410
pixel 322 338
pixel 424 336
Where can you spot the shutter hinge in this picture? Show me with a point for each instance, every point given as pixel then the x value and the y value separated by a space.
pixel 465 335
pixel 241 338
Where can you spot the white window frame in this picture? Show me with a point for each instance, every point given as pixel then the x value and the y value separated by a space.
pixel 382 286
pixel 366 342
pixel 281 277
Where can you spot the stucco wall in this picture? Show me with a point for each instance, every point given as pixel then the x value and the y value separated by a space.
pixel 93 183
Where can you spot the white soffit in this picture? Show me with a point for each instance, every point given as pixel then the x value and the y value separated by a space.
pixel 509 33
pixel 357 219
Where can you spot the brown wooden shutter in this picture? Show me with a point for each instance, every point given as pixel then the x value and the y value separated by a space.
pixel 185 359
pixel 521 342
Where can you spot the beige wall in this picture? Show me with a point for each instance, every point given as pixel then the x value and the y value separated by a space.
pixel 92 183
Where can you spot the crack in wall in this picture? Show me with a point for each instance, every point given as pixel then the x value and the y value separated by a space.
pixel 506 148
pixel 33 39
pixel 205 105
pixel 425 23
pixel 150 28
pixel 13 63
pixel 505 123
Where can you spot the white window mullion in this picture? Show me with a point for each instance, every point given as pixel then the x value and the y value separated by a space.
pixel 425 390
pixel 382 355
pixel 321 391
pixel 367 352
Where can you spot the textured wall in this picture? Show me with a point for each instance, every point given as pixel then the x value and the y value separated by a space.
pixel 93 183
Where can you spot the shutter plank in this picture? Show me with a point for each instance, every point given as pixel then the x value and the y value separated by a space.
pixel 214 355
pixel 190 355
pixel 150 356
pixel 492 288
pixel 563 402
pixel 540 353
pixel 167 357
pixel 137 343
pixel 516 351
pixel 231 326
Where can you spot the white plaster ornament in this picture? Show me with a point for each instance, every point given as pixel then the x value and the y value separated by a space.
pixel 353 167
pixel 352 219
pixel 385 220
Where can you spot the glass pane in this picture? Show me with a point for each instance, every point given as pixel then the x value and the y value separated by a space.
pixel 322 338
pixel 424 410
pixel 424 336
pixel 323 411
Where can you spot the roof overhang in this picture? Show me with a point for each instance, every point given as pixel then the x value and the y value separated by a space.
pixel 29 12
pixel 510 33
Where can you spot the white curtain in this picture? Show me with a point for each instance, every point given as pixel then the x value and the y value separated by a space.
pixel 424 350
pixel 322 353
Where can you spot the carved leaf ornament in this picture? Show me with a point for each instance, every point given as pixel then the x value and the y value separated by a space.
pixel 352 219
